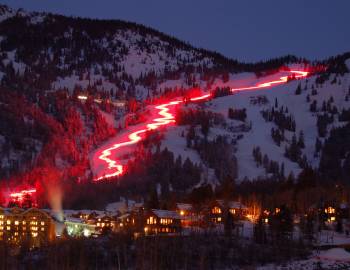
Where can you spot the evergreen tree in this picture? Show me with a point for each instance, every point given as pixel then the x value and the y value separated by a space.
pixel 301 143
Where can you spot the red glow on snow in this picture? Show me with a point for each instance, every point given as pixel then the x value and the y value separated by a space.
pixel 19 196
pixel 115 168
pixel 200 97
pixel 296 74
pixel 166 118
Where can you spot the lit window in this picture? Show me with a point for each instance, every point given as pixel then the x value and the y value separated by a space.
pixel 8 222
pixel 329 210
pixel 216 210
pixel 42 229
pixel 17 222
pixel 182 212
pixel 42 223
pixel 24 222
pixel 8 228
pixel 219 219
pixel 1 216
pixel 233 211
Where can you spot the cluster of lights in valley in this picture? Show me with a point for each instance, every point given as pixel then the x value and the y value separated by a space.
pixel 164 117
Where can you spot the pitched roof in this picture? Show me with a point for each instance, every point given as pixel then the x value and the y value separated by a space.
pixel 166 214
pixel 232 204
pixel 184 206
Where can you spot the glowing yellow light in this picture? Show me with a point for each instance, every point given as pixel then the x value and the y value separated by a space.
pixel 82 97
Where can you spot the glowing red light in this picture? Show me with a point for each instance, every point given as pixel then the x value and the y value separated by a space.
pixel 19 196
pixel 297 74
pixel 167 118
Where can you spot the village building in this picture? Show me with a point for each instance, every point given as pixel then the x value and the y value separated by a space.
pixel 161 222
pixel 189 217
pixel 150 222
pixel 33 227
pixel 77 227
pixel 217 211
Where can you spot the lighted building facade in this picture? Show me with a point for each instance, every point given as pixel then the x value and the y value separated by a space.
pixel 150 222
pixel 32 227
pixel 219 208
pixel 161 222
pixel 77 227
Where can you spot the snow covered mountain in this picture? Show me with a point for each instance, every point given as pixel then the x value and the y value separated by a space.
pixel 305 107
pixel 63 80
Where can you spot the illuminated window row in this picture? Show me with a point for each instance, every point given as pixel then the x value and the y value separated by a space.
pixel 216 210
pixel 151 220
pixel 166 221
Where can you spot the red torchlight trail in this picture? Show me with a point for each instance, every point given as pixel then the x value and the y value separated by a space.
pixel 19 196
pixel 297 75
pixel 167 118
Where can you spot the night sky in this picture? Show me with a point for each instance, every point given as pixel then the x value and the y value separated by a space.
pixel 246 30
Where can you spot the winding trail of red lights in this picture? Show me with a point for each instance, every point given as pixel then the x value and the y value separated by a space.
pixel 19 196
pixel 297 75
pixel 166 118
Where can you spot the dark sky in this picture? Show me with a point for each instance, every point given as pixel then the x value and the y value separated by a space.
pixel 247 30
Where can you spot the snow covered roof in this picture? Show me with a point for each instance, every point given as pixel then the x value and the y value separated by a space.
pixel 117 207
pixel 184 206
pixel 124 216
pixel 232 204
pixel 123 206
pixel 74 220
pixel 166 214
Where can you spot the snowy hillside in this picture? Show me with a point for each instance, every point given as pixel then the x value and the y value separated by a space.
pixel 259 135
pixel 69 85
pixel 111 57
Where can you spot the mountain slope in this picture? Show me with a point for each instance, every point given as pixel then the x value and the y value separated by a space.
pixel 69 84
